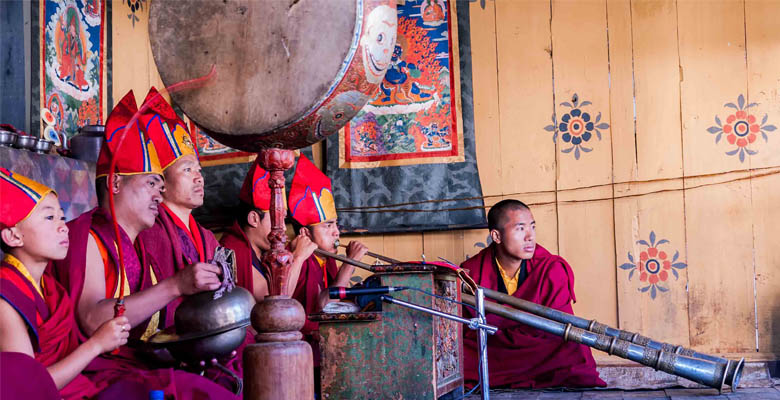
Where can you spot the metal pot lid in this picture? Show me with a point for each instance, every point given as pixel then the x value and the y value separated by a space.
pixel 169 335
pixel 93 130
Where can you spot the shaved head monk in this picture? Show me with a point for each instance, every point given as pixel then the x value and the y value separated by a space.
pixel 520 356
pixel 94 276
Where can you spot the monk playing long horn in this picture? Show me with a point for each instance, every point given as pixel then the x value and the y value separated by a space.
pixel 520 356
pixel 248 237
pixel 314 215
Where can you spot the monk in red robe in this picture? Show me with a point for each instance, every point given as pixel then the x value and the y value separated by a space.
pixel 176 241
pixel 36 315
pixel 520 356
pixel 314 216
pixel 93 275
pixel 248 237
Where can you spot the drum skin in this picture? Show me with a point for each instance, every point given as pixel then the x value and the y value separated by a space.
pixel 288 72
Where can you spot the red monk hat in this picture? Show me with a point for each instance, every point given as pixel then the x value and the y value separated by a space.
pixel 19 195
pixel 137 155
pixel 311 199
pixel 168 132
pixel 255 190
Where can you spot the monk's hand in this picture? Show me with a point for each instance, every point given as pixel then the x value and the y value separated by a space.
pixel 356 250
pixel 197 278
pixel 303 247
pixel 111 334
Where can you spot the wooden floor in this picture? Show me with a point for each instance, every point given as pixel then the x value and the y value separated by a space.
pixel 768 393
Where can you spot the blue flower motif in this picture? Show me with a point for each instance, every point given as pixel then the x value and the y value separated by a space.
pixel 577 127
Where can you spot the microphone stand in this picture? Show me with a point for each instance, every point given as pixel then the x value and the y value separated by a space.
pixel 483 356
pixel 474 324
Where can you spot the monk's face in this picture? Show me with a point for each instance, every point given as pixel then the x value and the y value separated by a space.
pixel 325 234
pixel 137 199
pixel 184 183
pixel 261 227
pixel 517 235
pixel 44 234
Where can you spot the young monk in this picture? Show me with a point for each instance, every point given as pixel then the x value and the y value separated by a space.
pixel 314 216
pixel 248 237
pixel 36 314
pixel 520 356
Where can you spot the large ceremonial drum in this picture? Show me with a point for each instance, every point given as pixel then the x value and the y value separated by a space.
pixel 288 72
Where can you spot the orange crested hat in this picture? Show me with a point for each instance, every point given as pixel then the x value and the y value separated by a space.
pixel 311 198
pixel 255 190
pixel 167 131
pixel 137 155
pixel 19 195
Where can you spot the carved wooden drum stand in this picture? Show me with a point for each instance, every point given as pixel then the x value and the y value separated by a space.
pixel 287 74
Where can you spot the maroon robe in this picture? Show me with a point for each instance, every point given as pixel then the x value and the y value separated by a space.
pixel 28 379
pixel 70 271
pixel 172 249
pixel 521 356
pixel 246 260
pixel 307 291
pixel 50 323
pixel 127 365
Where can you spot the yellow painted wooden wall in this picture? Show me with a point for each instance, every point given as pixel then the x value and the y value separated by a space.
pixel 657 183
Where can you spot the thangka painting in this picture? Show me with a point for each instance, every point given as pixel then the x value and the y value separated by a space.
pixel 213 153
pixel 407 161
pixel 72 65
pixel 413 118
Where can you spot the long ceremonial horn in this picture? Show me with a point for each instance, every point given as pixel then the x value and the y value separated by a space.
pixel 705 372
pixel 377 256
pixel 362 265
pixel 732 373
pixel 702 368
pixel 399 266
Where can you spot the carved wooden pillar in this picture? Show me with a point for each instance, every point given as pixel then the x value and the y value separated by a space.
pixel 278 260
pixel 280 365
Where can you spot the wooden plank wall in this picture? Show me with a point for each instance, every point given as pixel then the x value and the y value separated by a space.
pixel 668 234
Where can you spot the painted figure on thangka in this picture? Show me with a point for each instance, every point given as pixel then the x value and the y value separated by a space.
pixel 72 32
pixel 207 145
pixel 413 111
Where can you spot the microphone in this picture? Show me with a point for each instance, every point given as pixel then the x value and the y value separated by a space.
pixel 343 293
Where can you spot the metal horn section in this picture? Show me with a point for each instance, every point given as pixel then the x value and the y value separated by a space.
pixel 733 370
pixel 701 371
pixel 409 267
pixel 375 255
